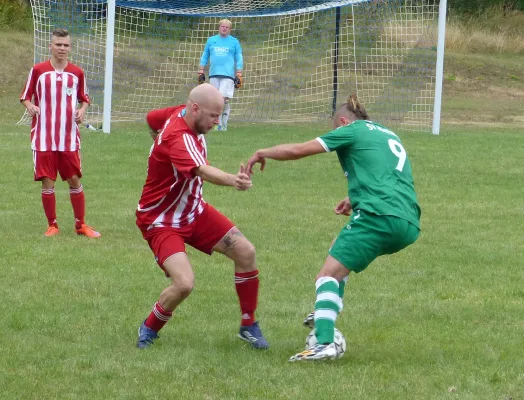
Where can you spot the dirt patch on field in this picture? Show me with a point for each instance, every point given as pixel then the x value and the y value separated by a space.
pixel 516 93
pixel 513 121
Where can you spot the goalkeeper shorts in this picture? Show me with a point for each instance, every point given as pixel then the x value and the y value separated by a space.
pixel 226 86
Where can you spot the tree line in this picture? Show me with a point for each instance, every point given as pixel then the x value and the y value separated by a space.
pixel 16 14
pixel 459 6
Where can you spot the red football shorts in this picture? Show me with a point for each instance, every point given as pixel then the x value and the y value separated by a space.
pixel 48 163
pixel 203 234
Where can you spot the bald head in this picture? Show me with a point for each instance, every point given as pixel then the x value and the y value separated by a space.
pixel 206 104
pixel 206 95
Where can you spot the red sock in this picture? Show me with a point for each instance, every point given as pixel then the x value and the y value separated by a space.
pixel 246 284
pixel 158 317
pixel 49 203
pixel 78 202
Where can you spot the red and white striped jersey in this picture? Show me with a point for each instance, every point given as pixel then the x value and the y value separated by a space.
pixel 172 194
pixel 57 95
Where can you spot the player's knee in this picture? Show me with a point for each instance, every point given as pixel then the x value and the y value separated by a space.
pixel 183 287
pixel 338 274
pixel 185 291
pixel 74 182
pixel 246 253
pixel 48 183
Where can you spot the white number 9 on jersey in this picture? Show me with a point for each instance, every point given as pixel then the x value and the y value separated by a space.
pixel 397 149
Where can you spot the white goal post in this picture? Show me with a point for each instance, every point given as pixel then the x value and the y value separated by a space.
pixel 302 58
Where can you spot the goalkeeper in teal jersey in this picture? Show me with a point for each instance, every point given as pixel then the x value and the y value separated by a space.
pixel 382 205
pixel 224 54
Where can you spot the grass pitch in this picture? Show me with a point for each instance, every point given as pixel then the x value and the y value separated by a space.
pixel 441 319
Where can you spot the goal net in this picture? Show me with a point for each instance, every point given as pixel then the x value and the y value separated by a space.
pixel 301 57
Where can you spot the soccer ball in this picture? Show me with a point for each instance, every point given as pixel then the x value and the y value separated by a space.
pixel 340 342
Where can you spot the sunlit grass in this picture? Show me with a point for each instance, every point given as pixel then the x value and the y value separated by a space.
pixel 441 318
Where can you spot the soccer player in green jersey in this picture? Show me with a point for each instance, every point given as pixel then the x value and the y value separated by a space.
pixel 381 203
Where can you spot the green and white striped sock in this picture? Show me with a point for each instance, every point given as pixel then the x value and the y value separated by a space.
pixel 327 306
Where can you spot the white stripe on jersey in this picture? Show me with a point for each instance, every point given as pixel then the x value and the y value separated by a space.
pixel 158 220
pixel 197 157
pixel 34 162
pixel 204 144
pixel 27 85
pixel 152 207
pixel 179 211
pixel 33 140
pixel 163 198
pixel 183 201
pixel 63 105
pixel 48 126
pixel 40 86
pixel 73 81
pixel 53 112
pixel 201 207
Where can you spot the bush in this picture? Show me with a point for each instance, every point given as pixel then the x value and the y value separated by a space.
pixel 15 15
pixel 494 30
pixel 461 7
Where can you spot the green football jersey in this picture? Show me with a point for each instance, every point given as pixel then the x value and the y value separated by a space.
pixel 377 168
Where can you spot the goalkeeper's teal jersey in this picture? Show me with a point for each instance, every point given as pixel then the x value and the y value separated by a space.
pixel 377 168
pixel 224 54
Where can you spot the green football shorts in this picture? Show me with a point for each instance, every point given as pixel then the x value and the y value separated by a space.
pixel 368 236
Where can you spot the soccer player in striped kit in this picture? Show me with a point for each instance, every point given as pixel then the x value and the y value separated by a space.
pixel 172 213
pixel 51 96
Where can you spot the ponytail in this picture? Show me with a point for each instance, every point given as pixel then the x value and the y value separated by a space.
pixel 355 107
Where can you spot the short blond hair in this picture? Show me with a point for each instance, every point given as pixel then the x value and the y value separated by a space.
pixel 225 21
pixel 60 32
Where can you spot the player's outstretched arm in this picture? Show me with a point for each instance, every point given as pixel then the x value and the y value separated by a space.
pixel 284 152
pixel 240 181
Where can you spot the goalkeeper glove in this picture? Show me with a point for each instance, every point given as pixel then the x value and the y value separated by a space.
pixel 201 78
pixel 238 80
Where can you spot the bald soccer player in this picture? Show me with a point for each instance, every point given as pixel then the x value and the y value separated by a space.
pixel 172 213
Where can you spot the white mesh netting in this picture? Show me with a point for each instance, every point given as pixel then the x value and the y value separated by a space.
pixel 300 57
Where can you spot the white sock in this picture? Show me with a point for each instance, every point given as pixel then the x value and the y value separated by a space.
pixel 225 114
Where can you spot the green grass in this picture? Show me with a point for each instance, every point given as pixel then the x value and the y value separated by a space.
pixel 483 89
pixel 440 320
